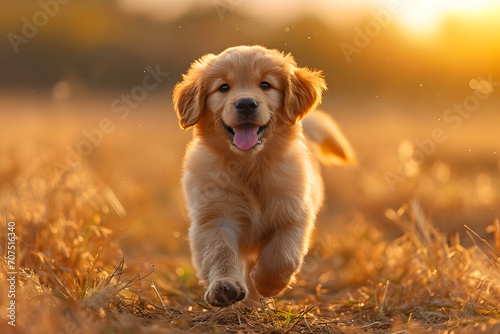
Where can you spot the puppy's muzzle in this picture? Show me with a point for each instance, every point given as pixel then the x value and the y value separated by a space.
pixel 246 133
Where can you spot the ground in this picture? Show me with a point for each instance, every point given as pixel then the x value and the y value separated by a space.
pixel 408 240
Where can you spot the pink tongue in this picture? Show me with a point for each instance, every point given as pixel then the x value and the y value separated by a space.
pixel 245 136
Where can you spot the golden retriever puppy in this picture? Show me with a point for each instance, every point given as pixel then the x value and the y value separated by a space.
pixel 252 186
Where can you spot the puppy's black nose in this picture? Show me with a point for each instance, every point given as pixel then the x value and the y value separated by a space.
pixel 246 107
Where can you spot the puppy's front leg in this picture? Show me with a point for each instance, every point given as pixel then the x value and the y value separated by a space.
pixel 279 259
pixel 216 256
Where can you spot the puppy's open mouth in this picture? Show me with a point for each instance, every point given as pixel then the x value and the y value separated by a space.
pixel 246 136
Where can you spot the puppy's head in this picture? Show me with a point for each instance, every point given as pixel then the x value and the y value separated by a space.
pixel 246 97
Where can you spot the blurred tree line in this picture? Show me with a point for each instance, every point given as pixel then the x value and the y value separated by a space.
pixel 95 46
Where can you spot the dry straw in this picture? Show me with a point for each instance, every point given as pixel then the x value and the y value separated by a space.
pixel 72 277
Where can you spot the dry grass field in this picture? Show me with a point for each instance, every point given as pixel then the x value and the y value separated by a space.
pixel 407 242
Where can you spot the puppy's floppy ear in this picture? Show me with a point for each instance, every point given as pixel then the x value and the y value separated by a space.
pixel 303 92
pixel 189 94
pixel 187 102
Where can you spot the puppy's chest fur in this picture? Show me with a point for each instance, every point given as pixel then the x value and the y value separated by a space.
pixel 257 196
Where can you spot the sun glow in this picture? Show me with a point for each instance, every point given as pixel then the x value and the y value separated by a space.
pixel 425 16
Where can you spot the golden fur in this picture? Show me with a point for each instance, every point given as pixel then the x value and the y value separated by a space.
pixel 252 208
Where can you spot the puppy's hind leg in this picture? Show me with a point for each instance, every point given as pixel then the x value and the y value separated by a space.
pixel 279 259
pixel 216 257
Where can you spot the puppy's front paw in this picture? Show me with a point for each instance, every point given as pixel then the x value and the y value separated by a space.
pixel 225 292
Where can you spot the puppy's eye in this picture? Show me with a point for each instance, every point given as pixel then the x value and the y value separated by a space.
pixel 224 88
pixel 265 85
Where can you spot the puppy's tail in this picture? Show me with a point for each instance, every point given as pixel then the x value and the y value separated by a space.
pixel 329 143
